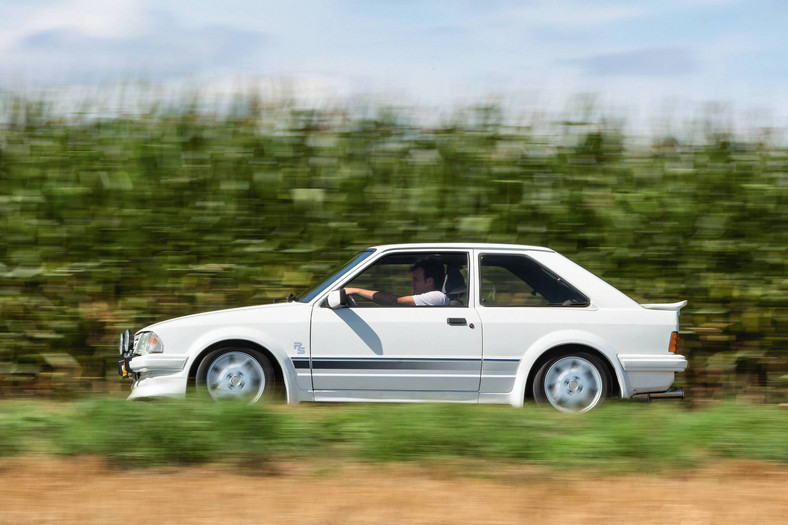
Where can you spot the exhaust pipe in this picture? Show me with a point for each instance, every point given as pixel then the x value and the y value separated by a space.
pixel 673 393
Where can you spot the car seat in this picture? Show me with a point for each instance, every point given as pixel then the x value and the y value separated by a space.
pixel 454 286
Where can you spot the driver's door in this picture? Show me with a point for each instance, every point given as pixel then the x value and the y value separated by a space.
pixel 413 349
pixel 396 348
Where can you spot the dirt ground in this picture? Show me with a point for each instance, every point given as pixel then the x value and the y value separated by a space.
pixel 87 490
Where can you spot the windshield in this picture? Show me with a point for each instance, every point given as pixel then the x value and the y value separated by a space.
pixel 317 290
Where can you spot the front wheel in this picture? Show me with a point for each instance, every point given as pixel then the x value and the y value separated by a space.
pixel 236 374
pixel 572 383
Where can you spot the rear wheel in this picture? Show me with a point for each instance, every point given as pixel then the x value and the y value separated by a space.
pixel 236 374
pixel 572 383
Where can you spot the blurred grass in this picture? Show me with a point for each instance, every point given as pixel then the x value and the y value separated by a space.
pixel 114 223
pixel 617 436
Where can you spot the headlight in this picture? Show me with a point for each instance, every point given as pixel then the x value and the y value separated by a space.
pixel 149 343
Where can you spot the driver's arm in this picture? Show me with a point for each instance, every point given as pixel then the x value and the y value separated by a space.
pixel 383 298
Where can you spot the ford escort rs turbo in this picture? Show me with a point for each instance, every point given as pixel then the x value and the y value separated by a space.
pixel 477 323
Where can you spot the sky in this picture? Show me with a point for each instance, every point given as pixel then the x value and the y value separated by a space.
pixel 653 58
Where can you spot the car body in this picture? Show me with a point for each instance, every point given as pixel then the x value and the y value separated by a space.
pixel 524 322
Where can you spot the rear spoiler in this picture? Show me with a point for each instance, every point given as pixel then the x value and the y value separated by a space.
pixel 674 307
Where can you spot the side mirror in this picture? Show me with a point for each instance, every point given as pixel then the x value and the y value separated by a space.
pixel 337 299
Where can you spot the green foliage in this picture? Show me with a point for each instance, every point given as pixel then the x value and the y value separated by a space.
pixel 170 432
pixel 617 436
pixel 26 427
pixel 113 224
pixel 739 432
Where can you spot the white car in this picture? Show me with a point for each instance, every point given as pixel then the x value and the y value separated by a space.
pixel 521 322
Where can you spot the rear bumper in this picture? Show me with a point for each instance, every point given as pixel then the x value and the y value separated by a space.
pixel 653 363
pixel 651 374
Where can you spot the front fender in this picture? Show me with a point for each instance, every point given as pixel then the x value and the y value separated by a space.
pixel 556 339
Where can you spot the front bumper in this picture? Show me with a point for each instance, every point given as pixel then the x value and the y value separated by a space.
pixel 158 363
pixel 155 375
pixel 151 363
pixel 173 385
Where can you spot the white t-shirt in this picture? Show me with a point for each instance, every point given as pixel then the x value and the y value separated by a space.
pixel 433 298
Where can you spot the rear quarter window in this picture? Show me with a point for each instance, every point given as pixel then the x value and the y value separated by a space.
pixel 518 280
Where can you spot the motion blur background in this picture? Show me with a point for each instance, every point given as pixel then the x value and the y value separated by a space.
pixel 162 159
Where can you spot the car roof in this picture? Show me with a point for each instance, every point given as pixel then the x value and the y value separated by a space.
pixel 456 246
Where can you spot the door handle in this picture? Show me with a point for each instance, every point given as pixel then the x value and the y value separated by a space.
pixel 457 321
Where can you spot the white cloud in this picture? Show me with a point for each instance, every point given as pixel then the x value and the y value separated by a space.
pixel 91 18
pixel 436 53
pixel 82 41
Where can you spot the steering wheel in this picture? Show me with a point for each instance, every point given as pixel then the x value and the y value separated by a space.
pixel 351 301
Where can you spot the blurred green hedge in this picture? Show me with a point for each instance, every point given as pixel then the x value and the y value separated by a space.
pixel 107 224
pixel 624 437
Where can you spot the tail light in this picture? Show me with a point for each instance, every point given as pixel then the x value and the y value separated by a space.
pixel 674 342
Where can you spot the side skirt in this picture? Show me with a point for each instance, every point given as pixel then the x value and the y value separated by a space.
pixel 372 396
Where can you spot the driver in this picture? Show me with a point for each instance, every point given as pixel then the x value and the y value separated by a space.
pixel 428 276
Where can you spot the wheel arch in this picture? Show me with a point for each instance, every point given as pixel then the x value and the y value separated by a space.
pixel 567 349
pixel 279 374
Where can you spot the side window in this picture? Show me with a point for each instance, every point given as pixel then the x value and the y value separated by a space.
pixel 518 280
pixel 389 275
pixel 393 274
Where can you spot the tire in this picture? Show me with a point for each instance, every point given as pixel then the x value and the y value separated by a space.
pixel 236 374
pixel 572 383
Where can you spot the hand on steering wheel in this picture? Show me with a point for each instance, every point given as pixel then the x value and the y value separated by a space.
pixel 351 301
